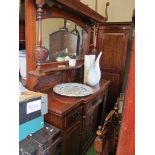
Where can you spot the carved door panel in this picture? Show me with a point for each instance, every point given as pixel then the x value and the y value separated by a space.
pixel 113 40
pixel 71 140
pixel 90 123
pixel 114 88
pixel 112 44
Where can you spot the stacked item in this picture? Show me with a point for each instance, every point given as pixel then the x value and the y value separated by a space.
pixel 32 108
pixel 46 141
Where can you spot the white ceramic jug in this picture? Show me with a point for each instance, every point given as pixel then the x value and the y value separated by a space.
pixel 89 61
pixel 94 73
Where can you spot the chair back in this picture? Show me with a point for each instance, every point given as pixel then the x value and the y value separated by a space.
pixel 107 135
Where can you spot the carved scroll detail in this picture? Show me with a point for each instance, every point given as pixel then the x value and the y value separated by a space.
pixel 106 11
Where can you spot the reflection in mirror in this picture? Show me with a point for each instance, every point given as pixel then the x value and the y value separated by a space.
pixel 63 38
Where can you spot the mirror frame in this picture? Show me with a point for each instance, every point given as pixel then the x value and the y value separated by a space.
pixel 55 12
pixel 86 41
pixel 77 12
pixel 44 12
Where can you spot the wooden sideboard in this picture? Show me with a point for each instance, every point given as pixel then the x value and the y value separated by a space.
pixel 77 118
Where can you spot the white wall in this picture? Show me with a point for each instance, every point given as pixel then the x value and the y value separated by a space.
pixel 118 11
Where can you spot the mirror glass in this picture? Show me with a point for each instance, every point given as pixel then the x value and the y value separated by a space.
pixel 63 38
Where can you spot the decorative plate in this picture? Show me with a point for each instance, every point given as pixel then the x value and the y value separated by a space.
pixel 73 89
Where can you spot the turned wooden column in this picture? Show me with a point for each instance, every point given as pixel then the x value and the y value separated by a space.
pixel 94 29
pixel 41 53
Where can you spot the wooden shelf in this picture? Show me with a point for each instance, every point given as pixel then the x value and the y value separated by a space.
pixel 46 68
pixel 64 67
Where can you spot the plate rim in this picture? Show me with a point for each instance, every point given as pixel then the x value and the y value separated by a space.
pixel 90 89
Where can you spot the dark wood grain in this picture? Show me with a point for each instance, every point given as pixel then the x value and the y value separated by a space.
pixel 82 9
pixel 113 41
pixel 30 30
pixel 21 30
pixel 77 117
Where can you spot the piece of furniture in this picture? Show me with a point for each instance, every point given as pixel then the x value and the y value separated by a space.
pixel 107 135
pixel 112 39
pixel 36 10
pixel 77 117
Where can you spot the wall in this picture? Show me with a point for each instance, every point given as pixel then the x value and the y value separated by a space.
pixel 118 11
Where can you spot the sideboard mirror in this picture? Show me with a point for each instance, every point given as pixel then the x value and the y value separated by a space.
pixel 63 37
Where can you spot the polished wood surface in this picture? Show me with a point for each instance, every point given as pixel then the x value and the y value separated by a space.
pixel 57 66
pixel 54 73
pixel 113 40
pixel 30 30
pixel 80 8
pixel 77 117
pixel 126 144
pixel 55 101
pixel 21 30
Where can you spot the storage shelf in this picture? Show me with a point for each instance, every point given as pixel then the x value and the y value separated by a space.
pixel 56 67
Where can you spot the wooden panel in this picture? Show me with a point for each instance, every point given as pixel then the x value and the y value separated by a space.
pixel 79 8
pixel 114 88
pixel 21 30
pixel 30 30
pixel 49 78
pixel 92 103
pixel 112 39
pixel 73 117
pixel 71 140
pixel 75 75
pixel 48 81
pixel 54 120
pixel 89 126
pixel 114 53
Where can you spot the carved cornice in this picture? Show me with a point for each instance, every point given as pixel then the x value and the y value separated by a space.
pixel 79 9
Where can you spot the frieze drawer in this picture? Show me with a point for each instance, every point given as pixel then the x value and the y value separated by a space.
pixel 90 104
pixel 73 117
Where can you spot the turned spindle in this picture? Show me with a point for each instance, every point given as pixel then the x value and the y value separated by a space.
pixel 41 53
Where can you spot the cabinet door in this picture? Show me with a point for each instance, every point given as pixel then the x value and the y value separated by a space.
pixel 71 140
pixel 113 41
pixel 114 88
pixel 89 126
